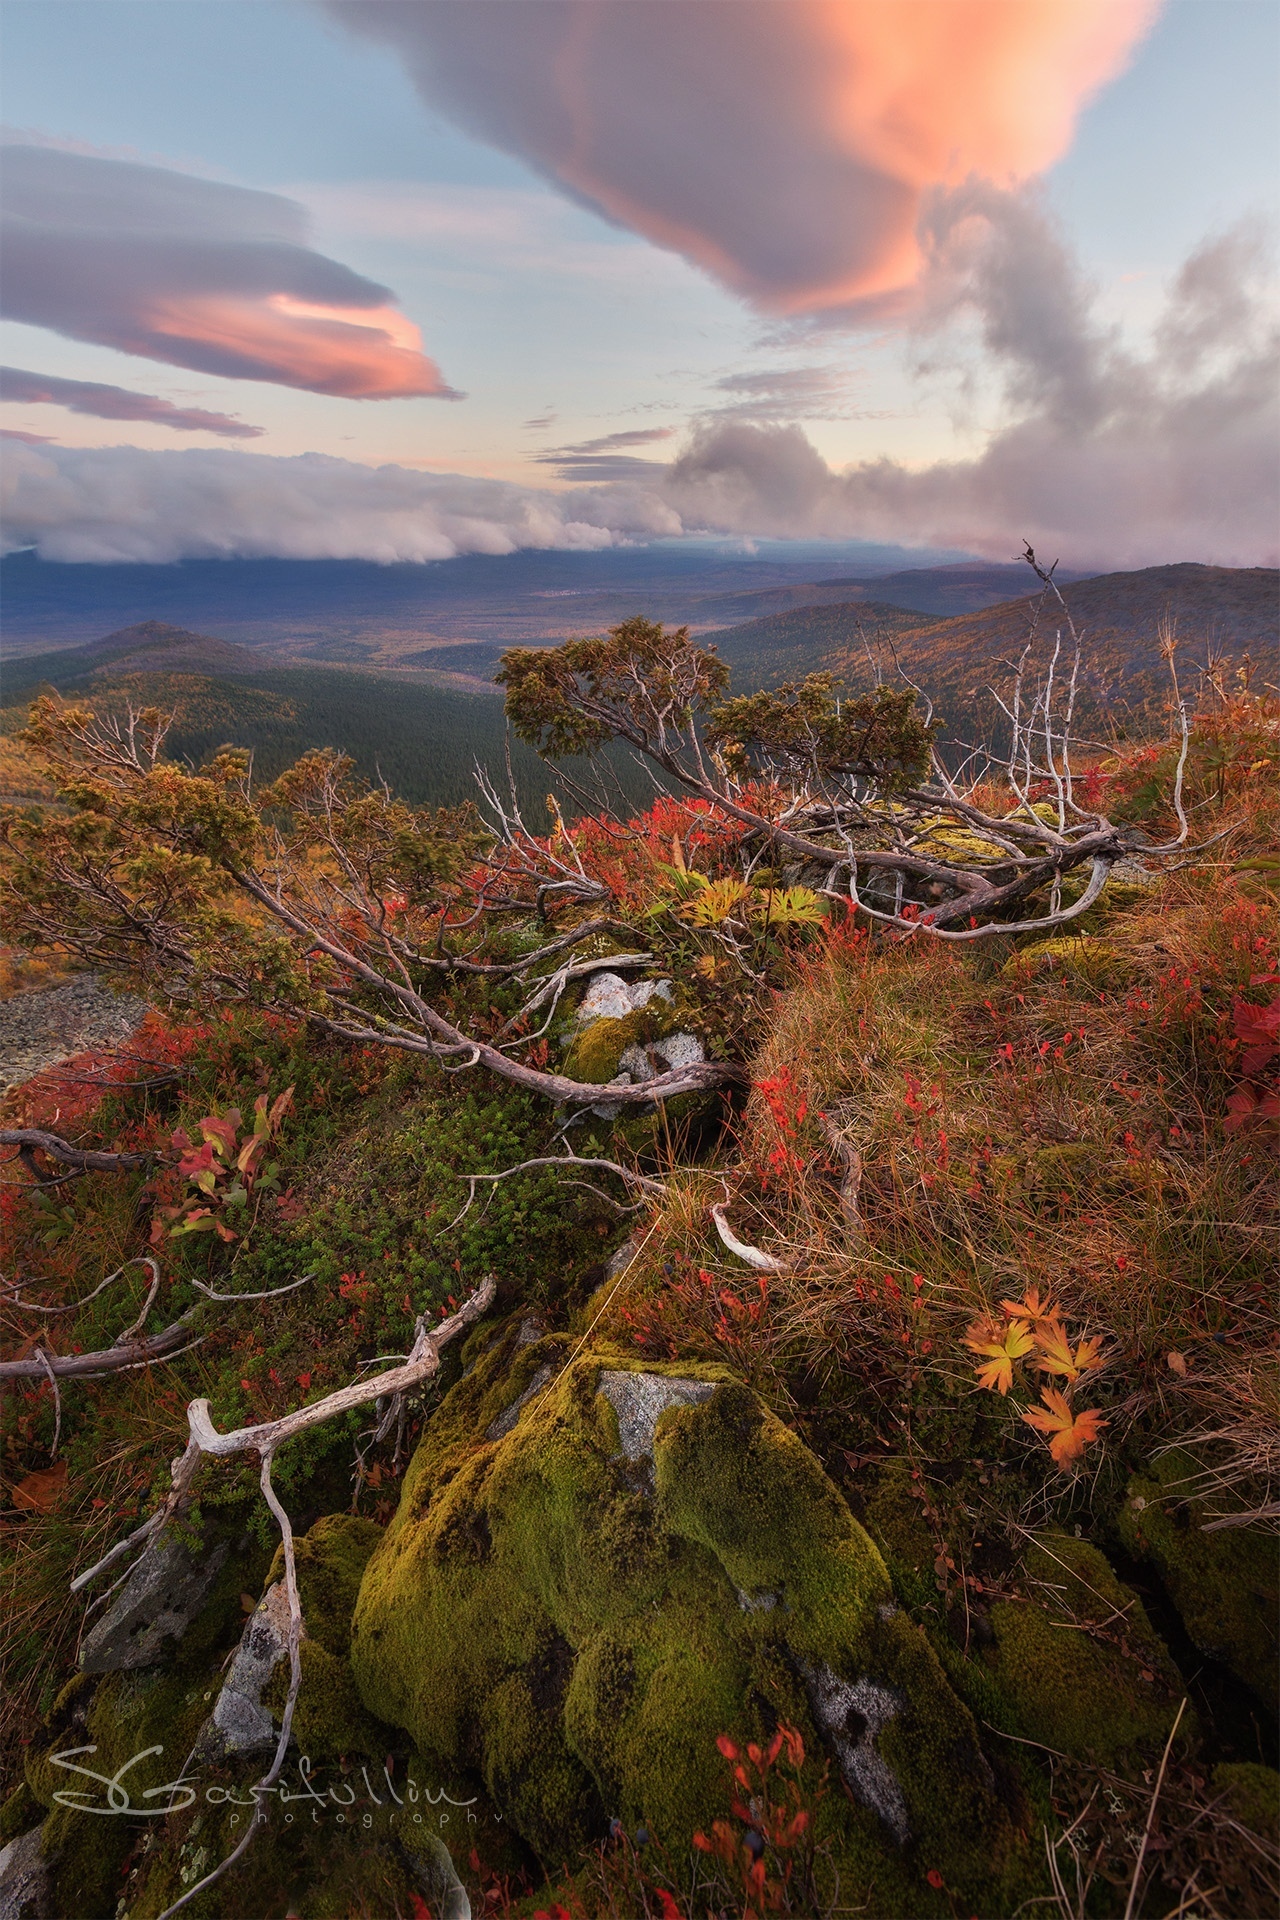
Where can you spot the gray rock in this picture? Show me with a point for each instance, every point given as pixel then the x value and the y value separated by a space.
pixel 239 1722
pixel 661 1056
pixel 639 1064
pixel 851 1713
pixel 47 1024
pixel 639 1399
pixel 26 1890
pixel 757 1602
pixel 610 997
pixel 498 1429
pixel 621 1257
pixel 162 1596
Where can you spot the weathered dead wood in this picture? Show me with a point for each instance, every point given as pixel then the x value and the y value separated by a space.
pixel 32 1140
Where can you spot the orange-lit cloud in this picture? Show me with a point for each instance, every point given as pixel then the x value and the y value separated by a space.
pixel 787 148
pixel 197 274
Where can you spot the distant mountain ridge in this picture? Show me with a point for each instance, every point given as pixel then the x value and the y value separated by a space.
pixel 1231 610
pixel 363 614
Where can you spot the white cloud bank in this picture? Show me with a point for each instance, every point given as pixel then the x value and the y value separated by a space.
pixel 1113 457
pixel 123 503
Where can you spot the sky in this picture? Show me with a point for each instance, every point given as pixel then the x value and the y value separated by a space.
pixel 404 278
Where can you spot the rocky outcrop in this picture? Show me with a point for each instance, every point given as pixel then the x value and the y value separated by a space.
pixel 626 1034
pixel 166 1589
pixel 643 1559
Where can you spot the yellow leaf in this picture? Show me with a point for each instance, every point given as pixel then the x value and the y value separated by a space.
pixel 715 904
pixel 1178 1364
pixel 1030 1308
pixel 1056 1355
pixel 1003 1345
pixel 1069 1433
pixel 792 907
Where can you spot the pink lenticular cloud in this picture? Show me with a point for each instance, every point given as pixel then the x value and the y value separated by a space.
pixel 788 149
pixel 215 278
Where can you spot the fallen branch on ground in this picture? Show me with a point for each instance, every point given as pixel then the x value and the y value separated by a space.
pixel 754 1256
pixel 263 1439
pixel 644 1181
pixel 32 1140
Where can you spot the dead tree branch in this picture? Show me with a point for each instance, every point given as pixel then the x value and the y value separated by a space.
pixel 32 1140
pixel 264 1439
pixel 117 1359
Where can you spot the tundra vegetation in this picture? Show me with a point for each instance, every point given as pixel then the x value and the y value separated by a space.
pixel 715 1361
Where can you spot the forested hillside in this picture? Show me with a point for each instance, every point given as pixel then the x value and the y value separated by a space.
pixel 424 738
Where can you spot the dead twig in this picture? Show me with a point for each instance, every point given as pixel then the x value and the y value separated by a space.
pixel 1130 1903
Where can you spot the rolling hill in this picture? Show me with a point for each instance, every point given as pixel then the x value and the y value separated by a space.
pixel 424 735
pixel 1212 610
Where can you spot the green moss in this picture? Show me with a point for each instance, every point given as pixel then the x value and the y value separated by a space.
pixel 120 1716
pixel 329 1718
pixel 732 1478
pixel 1252 1794
pixel 893 1520
pixel 572 1627
pixel 596 1052
pixel 1225 1585
pixel 1079 1663
pixel 330 1560
pixel 1082 955
pixel 20 1812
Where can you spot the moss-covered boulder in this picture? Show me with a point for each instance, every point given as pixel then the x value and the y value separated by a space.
pixel 1078 1661
pixel 1251 1794
pixel 329 1717
pixel 1225 1584
pixel 571 1606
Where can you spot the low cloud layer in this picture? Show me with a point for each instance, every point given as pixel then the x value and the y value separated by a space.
pixel 123 503
pixel 790 151
pixel 117 403
pixel 197 274
pixel 1111 455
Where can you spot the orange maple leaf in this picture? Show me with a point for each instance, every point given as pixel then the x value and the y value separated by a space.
pixel 1003 1345
pixel 1056 1354
pixel 1070 1433
pixel 1030 1308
